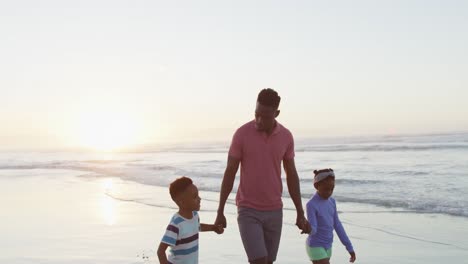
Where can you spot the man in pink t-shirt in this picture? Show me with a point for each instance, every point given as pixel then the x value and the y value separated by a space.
pixel 259 147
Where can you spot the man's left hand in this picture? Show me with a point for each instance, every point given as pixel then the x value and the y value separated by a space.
pixel 303 224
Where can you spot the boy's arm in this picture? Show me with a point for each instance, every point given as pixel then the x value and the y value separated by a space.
pixel 207 227
pixel 162 253
pixel 292 180
pixel 342 233
pixel 169 239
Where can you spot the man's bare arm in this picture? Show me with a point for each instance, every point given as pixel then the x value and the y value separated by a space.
pixel 292 180
pixel 226 188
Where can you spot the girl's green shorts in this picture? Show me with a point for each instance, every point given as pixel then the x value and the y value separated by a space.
pixel 318 253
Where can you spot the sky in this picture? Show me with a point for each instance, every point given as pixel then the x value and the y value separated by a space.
pixel 111 73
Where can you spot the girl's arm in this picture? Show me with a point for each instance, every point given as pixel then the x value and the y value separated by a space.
pixel 162 253
pixel 215 228
pixel 312 218
pixel 341 232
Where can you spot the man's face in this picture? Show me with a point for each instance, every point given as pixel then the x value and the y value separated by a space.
pixel 189 199
pixel 265 117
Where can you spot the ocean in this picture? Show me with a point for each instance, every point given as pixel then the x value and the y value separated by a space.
pixel 401 199
pixel 417 173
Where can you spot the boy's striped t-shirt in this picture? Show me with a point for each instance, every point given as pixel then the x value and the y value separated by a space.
pixel 182 237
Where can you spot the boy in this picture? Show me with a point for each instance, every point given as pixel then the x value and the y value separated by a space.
pixel 323 218
pixel 182 232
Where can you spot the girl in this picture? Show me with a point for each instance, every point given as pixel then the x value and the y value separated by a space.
pixel 323 218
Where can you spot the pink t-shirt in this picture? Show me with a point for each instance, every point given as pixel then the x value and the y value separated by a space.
pixel 260 159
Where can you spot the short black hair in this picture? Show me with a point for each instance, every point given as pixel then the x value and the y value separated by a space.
pixel 269 97
pixel 178 186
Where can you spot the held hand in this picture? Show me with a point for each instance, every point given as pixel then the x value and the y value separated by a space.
pixel 220 220
pixel 219 229
pixel 303 224
pixel 353 257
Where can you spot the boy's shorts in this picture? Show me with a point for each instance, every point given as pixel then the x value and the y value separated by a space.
pixel 318 253
pixel 260 232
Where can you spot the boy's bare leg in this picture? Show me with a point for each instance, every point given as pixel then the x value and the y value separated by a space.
pixel 322 261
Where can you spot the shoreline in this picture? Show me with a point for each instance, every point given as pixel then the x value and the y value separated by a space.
pixel 64 218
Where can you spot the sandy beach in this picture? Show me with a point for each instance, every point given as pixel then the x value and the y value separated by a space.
pixel 49 218
pixel 104 103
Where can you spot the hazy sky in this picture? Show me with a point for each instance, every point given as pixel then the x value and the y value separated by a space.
pixel 81 72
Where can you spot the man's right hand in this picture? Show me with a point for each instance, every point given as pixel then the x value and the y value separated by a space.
pixel 220 220
pixel 226 188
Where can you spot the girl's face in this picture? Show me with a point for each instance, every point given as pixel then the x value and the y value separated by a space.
pixel 325 187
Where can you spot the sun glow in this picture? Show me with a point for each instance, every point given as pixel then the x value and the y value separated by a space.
pixel 107 131
pixel 108 204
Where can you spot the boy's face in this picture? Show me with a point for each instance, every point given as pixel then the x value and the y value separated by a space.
pixel 190 200
pixel 325 187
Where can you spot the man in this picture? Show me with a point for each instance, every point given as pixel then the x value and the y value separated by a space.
pixel 259 147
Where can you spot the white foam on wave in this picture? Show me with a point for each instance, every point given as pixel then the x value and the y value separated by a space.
pixel 436 182
pixel 432 207
pixel 162 175
pixel 381 147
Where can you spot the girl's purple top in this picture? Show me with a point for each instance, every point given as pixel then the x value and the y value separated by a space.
pixel 323 218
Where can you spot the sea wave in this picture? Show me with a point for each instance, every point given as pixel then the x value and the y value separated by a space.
pixel 346 181
pixel 392 146
pixel 384 176
pixel 65 166
pixel 381 147
pixel 432 207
